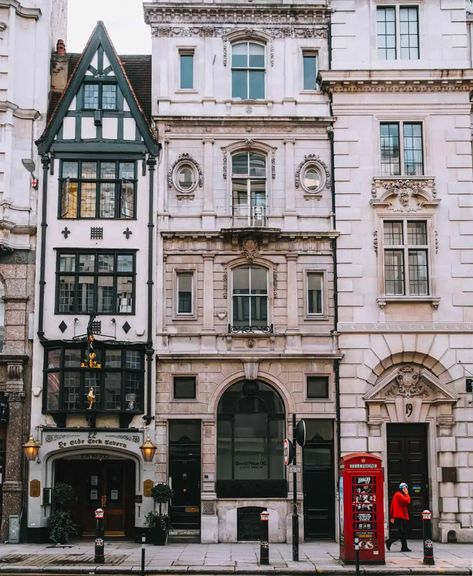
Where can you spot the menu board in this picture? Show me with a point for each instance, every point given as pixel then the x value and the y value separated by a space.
pixel 365 512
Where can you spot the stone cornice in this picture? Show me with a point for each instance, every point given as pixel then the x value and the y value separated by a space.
pixel 453 80
pixel 22 11
pixel 277 21
pixel 404 327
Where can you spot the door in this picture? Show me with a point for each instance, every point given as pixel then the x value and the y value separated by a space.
pixel 319 480
pixel 407 462
pixel 184 473
pixel 107 484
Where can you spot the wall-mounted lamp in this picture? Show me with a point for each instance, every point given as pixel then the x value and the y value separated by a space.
pixel 31 449
pixel 148 449
pixel 29 165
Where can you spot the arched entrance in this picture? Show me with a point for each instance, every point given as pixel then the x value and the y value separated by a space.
pixel 250 433
pixel 105 481
pixel 414 409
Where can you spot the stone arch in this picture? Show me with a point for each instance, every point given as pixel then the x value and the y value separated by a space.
pixel 250 371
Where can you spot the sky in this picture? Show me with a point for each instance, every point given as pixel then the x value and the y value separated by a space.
pixel 123 19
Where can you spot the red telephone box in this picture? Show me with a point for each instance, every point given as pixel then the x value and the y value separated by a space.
pixel 361 508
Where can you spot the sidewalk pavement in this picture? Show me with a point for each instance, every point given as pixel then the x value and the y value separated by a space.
pixel 124 557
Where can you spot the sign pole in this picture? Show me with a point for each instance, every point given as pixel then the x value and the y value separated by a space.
pixel 295 517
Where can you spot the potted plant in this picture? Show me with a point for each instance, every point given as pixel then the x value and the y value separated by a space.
pixel 60 521
pixel 158 523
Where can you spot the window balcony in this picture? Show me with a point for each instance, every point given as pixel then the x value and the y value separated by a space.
pixel 249 217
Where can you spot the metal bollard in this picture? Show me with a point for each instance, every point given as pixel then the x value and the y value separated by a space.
pixel 143 552
pixel 264 545
pixel 99 543
pixel 427 533
pixel 357 556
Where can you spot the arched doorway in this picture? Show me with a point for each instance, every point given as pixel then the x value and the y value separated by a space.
pixel 106 482
pixel 250 433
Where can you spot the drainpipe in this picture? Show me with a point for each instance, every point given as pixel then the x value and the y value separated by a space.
pixel 151 162
pixel 45 161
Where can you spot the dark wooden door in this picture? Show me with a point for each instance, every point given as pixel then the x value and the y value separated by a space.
pixel 319 480
pixel 107 484
pixel 407 462
pixel 184 472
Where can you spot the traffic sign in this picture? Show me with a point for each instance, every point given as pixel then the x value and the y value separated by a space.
pixel 288 451
pixel 300 433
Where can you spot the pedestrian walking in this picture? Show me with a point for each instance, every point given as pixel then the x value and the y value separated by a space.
pixel 399 517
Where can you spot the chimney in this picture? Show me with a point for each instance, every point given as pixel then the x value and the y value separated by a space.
pixel 59 68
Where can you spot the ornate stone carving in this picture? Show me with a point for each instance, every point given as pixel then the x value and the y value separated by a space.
pixel 186 158
pixel 250 249
pixel 224 165
pixel 404 194
pixel 407 384
pixel 314 159
pixel 375 241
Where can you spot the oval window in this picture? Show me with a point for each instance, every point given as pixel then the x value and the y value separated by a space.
pixel 185 178
pixel 311 179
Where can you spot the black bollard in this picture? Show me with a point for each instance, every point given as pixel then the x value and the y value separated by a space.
pixel 99 543
pixel 264 544
pixel 427 532
pixel 143 552
pixel 357 556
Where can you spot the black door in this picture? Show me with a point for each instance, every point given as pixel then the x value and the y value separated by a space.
pixel 184 472
pixel 319 480
pixel 407 462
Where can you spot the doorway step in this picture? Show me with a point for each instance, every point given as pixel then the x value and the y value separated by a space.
pixel 181 535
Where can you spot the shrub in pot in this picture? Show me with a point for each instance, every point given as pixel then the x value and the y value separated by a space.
pixel 158 523
pixel 60 522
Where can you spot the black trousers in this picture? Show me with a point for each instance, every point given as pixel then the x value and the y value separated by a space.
pixel 398 531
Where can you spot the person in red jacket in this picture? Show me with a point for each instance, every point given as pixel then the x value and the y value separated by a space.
pixel 399 516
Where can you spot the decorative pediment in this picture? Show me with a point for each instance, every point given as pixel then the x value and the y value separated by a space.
pixel 404 194
pixel 407 382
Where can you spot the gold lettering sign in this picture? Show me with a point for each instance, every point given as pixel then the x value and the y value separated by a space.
pixel 147 487
pixel 35 488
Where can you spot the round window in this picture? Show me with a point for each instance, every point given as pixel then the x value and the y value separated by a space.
pixel 311 179
pixel 185 178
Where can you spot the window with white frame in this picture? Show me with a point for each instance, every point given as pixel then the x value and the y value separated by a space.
pixel 402 149
pixel 315 283
pixel 248 71
pixel 250 298
pixel 309 69
pixel 406 258
pixel 184 292
pixel 186 69
pixel 249 188
pixel 397 32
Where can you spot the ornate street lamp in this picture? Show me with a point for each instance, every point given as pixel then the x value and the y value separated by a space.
pixel 148 449
pixel 31 449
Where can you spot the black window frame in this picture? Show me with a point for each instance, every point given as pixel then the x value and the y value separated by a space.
pixel 396 49
pixel 98 181
pixel 191 380
pixel 100 95
pixel 409 272
pixel 96 274
pixel 311 378
pixel 396 157
pixel 97 375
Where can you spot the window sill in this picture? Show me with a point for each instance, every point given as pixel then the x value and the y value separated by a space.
pixel 316 317
pixel 187 91
pixel 384 300
pixel 184 317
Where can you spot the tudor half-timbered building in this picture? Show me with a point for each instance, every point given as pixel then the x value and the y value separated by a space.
pixel 93 369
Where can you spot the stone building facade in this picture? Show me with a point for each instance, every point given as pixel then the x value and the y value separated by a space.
pixel 245 265
pixel 400 83
pixel 28 31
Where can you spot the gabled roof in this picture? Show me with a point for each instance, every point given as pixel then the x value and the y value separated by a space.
pixel 133 74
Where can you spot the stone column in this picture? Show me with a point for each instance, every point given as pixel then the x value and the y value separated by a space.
pixel 446 448
pixel 290 214
pixel 292 308
pixel 208 514
pixel 208 212
pixel 13 473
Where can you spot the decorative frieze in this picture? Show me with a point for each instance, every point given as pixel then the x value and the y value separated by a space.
pixel 404 194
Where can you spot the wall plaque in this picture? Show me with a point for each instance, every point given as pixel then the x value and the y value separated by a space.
pixel 35 488
pixel 147 487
